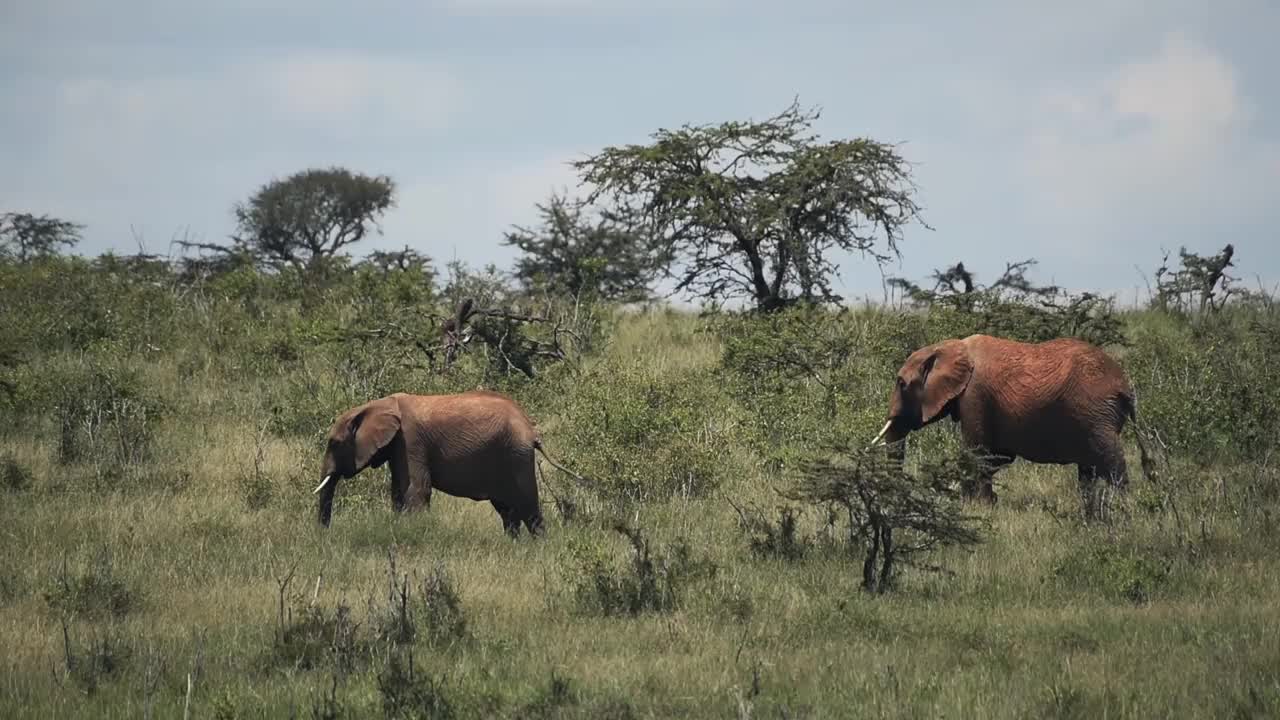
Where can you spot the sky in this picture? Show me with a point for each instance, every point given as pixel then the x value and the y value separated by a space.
pixel 1092 136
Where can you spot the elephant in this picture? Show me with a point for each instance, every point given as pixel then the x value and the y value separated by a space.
pixel 1063 401
pixel 478 444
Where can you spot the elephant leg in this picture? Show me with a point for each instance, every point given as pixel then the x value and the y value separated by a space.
pixel 510 518
pixel 418 494
pixel 981 487
pixel 533 521
pixel 410 478
pixel 1115 469
pixel 1087 483
pixel 1109 466
pixel 527 506
pixel 416 482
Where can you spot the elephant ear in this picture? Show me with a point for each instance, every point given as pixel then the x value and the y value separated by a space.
pixel 373 429
pixel 946 374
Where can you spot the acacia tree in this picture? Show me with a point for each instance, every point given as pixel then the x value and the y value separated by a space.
pixel 573 255
pixel 1202 277
pixel 25 236
pixel 304 219
pixel 756 209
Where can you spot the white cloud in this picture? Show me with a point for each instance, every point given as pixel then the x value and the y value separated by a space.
pixel 335 97
pixel 1168 134
pixel 372 92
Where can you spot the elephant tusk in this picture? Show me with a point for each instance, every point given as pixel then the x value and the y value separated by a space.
pixel 883 430
pixel 323 482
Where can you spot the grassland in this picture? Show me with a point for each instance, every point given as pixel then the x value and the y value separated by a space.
pixel 144 547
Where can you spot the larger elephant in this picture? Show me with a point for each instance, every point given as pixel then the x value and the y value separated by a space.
pixel 1063 401
pixel 478 445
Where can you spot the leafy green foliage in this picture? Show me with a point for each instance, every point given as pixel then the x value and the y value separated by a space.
pixel 808 376
pixel 757 209
pixel 573 256
pixel 641 435
pixel 69 303
pixel 1211 388
pixel 1119 571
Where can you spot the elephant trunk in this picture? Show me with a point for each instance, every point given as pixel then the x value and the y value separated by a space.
pixel 896 440
pixel 326 489
pixel 892 436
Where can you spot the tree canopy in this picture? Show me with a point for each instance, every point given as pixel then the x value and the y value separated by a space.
pixel 757 209
pixel 303 219
pixel 25 236
pixel 571 254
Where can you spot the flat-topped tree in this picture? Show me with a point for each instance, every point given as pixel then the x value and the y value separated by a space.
pixel 757 209
pixel 24 236
pixel 304 219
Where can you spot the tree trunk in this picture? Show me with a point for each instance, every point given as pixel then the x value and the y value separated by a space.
pixel 869 564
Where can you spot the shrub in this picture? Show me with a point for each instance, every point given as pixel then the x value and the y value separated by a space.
pixel 442 609
pixel 807 377
pixel 650 582
pixel 91 590
pixel 103 659
pixel 892 515
pixel 551 701
pixel 408 692
pixel 1113 570
pixel 643 435
pixel 14 476
pixel 436 609
pixel 777 540
pixel 1210 387
pixel 102 408
pixel 255 485
pixel 312 636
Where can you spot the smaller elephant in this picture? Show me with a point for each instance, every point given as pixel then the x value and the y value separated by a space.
pixel 1064 401
pixel 476 445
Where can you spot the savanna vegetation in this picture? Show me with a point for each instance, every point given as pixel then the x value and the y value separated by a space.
pixel 727 552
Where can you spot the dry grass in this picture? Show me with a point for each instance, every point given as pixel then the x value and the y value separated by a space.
pixel 1005 635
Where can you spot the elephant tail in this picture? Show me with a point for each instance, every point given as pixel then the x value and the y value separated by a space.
pixel 537 444
pixel 1129 406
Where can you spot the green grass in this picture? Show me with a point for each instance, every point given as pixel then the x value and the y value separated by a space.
pixel 171 569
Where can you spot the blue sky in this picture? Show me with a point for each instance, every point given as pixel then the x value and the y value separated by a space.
pixel 1089 137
